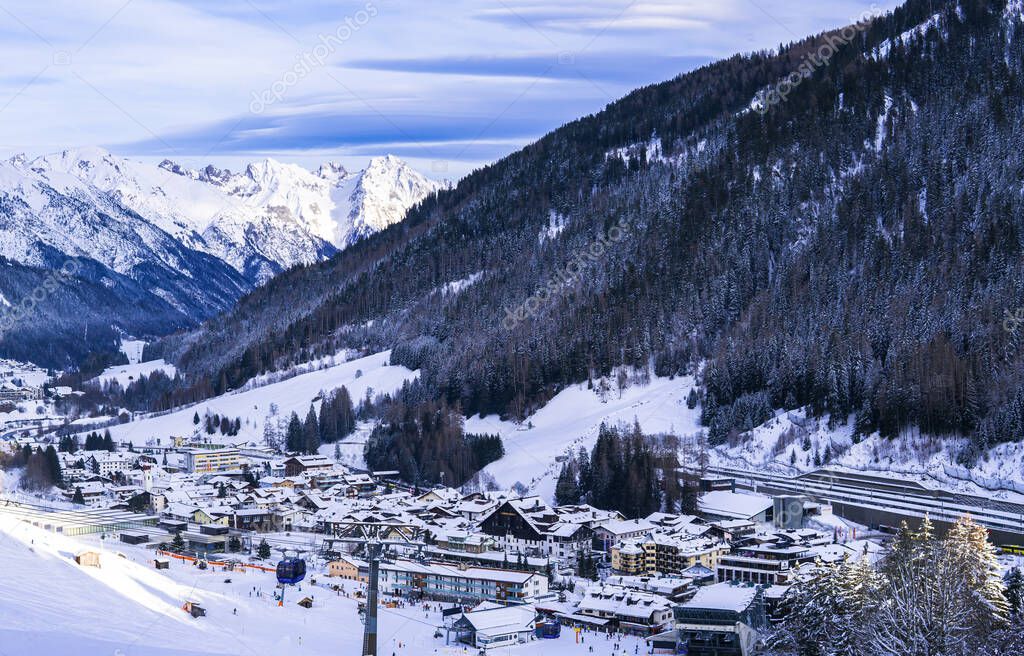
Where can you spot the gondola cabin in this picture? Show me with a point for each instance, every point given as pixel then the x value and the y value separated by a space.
pixel 291 570
pixel 549 630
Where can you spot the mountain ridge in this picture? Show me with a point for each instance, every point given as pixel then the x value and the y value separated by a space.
pixel 192 241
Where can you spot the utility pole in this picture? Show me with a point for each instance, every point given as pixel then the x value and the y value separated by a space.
pixel 373 549
pixel 376 536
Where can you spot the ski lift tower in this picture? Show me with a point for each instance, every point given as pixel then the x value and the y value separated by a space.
pixel 377 536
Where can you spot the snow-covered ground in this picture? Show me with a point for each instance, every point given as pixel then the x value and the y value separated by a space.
pixel 27 373
pixel 132 349
pixel 779 444
pixel 126 374
pixel 253 405
pixel 127 608
pixel 571 420
pixel 790 443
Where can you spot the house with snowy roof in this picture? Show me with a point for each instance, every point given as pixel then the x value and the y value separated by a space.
pixel 461 583
pixel 666 554
pixel 492 627
pixel 624 609
pixel 307 464
pixel 617 530
pixel 528 525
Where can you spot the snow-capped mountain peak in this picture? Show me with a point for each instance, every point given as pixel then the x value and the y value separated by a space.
pixel 332 172
pixel 379 196
pixel 262 220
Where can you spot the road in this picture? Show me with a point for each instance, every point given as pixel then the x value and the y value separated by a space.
pixel 874 498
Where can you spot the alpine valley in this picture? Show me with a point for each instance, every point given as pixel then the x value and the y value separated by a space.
pixel 731 367
pixel 852 249
pixel 124 247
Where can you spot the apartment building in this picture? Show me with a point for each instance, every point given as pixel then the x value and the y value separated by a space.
pixel 442 582
pixel 212 460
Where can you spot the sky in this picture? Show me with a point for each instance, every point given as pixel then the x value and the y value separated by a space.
pixel 447 85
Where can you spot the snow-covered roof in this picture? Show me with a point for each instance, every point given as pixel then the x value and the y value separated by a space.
pixel 723 596
pixel 497 620
pixel 733 504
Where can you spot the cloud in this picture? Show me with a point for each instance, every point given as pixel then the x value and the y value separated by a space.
pixel 622 67
pixel 427 134
pixel 20 81
pixel 459 79
pixel 614 15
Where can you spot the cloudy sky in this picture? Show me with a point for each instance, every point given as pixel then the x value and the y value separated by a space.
pixel 446 84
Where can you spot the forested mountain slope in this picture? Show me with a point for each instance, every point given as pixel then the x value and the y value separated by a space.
pixel 854 246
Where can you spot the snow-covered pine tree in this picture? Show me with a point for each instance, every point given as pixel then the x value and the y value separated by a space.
pixel 829 613
pixel 813 616
pixel 973 557
pixel 858 585
pixel 1014 581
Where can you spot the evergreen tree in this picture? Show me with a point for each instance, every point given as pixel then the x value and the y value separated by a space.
pixel 567 489
pixel 310 432
pixel 1015 591
pixel 178 543
pixel 53 466
pixel 974 559
pixel 78 498
pixel 345 412
pixel 294 442
pixel 263 550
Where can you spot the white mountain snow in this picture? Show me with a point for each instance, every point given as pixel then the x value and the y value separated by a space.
pixel 123 213
pixel 331 208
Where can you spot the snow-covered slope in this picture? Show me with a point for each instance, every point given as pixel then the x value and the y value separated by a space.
pixel 126 374
pixel 50 605
pixel 571 420
pixel 254 405
pixel 793 442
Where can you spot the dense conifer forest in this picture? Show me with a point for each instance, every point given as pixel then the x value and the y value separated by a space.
pixel 855 248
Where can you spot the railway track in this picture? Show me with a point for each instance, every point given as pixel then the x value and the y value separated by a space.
pixel 876 494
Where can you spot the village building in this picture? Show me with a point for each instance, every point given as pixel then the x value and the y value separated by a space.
pixel 348 568
pixel 765 565
pixel 106 463
pixel 624 609
pixel 720 504
pixel 212 460
pixel 307 464
pixel 442 582
pixel 492 627
pixel 721 620
pixel 530 526
pixel 666 554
